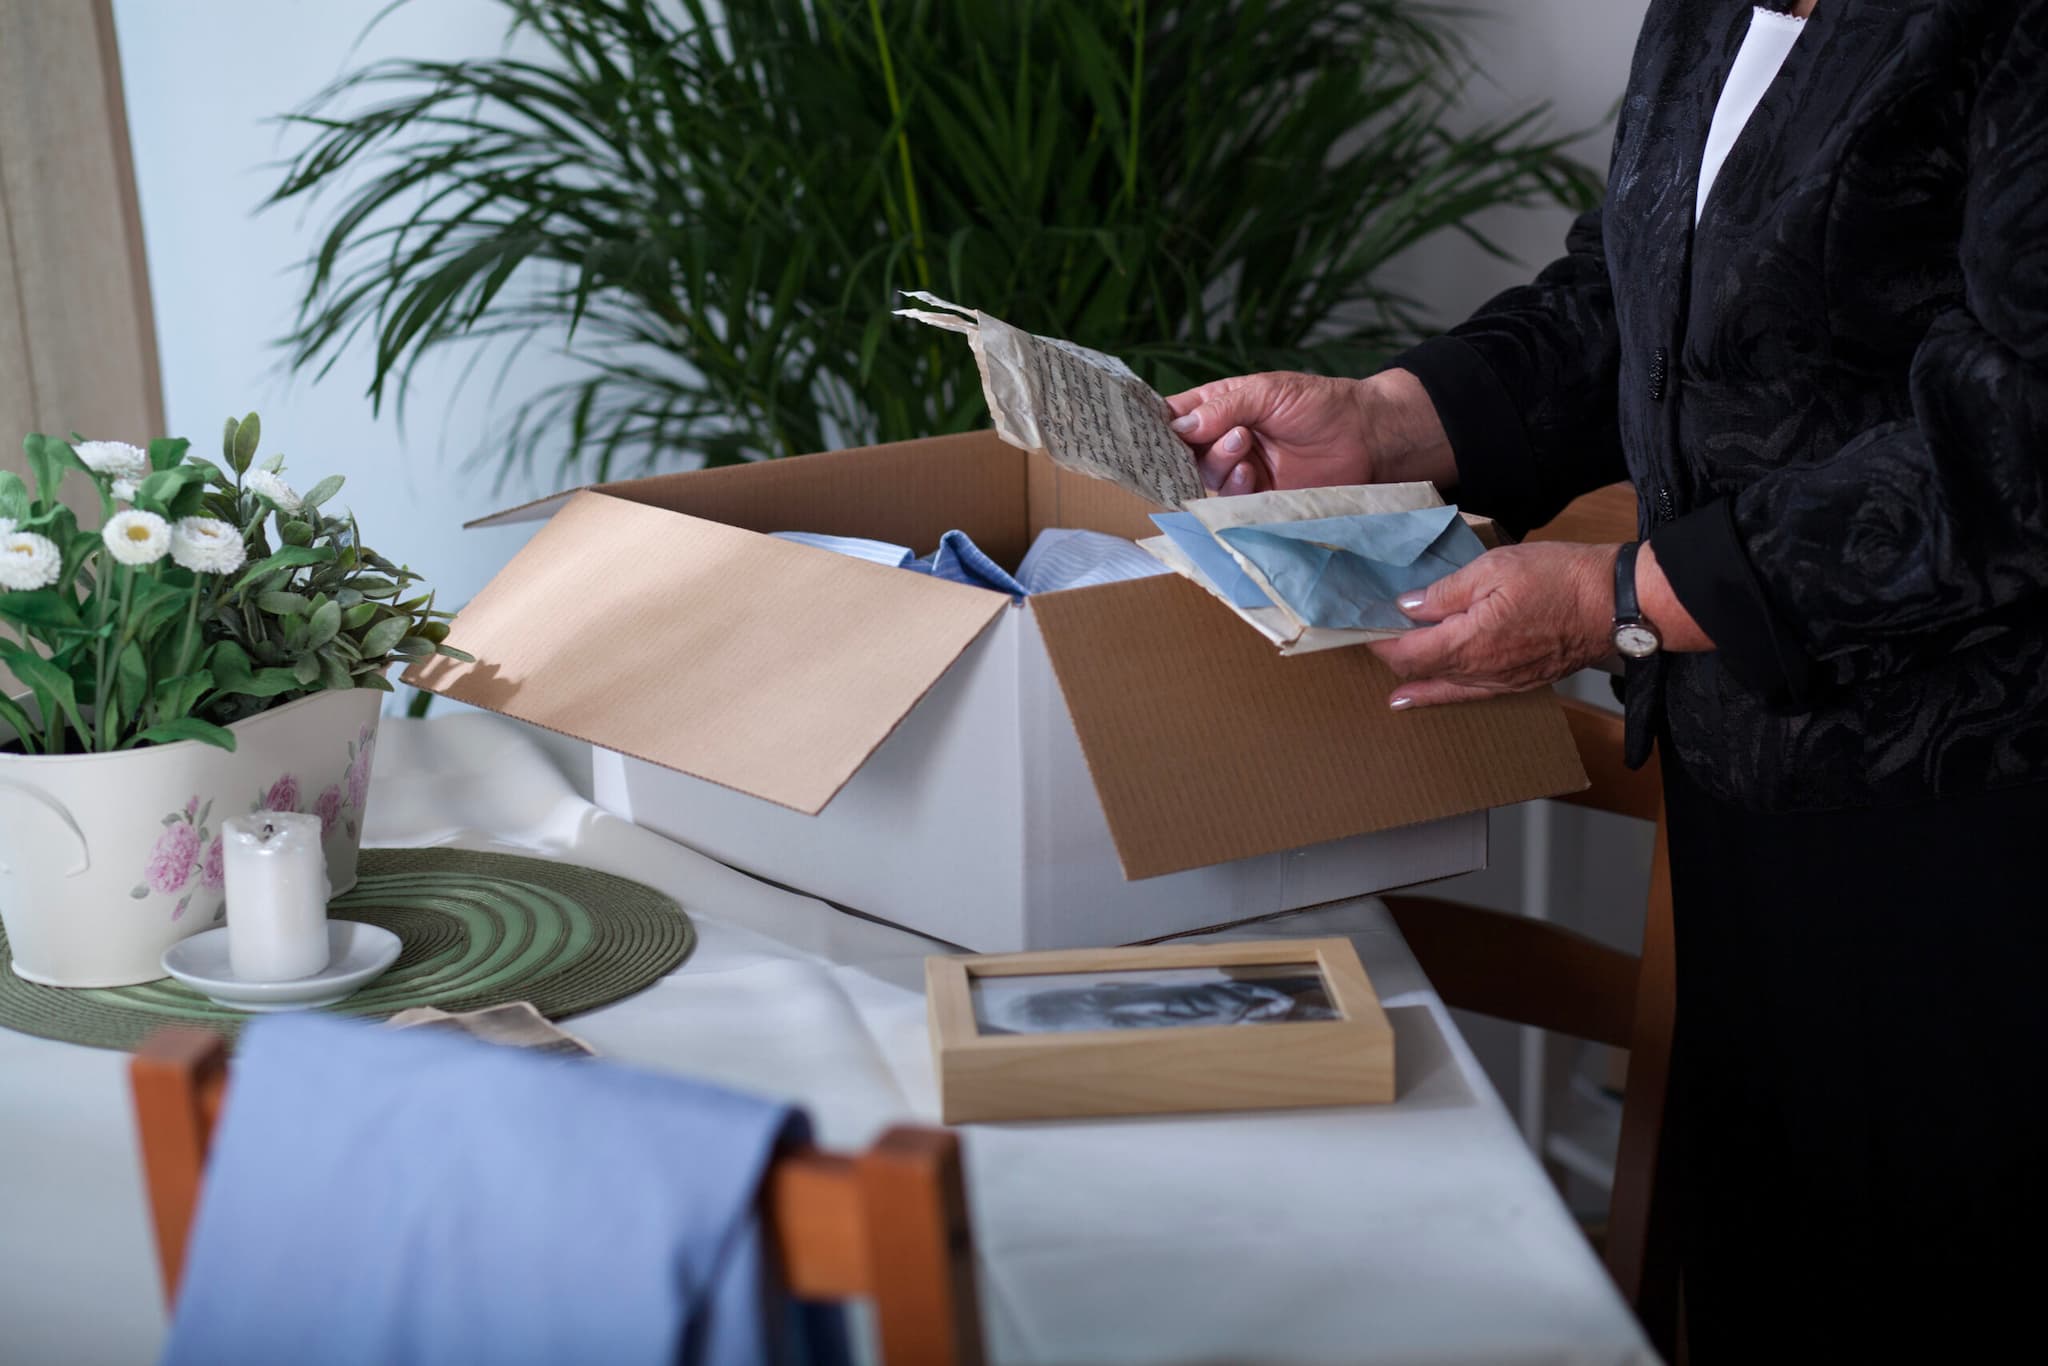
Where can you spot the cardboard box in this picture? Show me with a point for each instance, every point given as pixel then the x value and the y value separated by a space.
pixel 1099 766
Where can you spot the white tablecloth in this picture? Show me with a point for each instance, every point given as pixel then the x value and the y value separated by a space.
pixel 1422 1231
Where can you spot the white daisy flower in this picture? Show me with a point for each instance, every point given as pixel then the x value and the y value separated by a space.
pixel 6 526
pixel 124 489
pixel 28 561
pixel 271 489
pixel 135 537
pixel 115 459
pixel 207 545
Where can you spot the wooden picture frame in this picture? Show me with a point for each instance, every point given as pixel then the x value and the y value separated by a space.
pixel 1072 1068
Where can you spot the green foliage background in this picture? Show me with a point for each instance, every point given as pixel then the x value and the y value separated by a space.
pixel 721 207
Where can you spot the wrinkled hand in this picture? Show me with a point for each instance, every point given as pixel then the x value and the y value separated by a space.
pixel 1279 430
pixel 1514 619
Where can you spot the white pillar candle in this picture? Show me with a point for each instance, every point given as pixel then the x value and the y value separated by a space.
pixel 277 896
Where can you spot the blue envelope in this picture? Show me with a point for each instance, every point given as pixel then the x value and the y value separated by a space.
pixel 1345 573
pixel 1186 531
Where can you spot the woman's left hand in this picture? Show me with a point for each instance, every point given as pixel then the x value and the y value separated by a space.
pixel 1514 619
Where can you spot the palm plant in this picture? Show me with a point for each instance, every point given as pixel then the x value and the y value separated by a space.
pixel 714 209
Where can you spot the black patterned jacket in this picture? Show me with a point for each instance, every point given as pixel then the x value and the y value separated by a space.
pixel 1832 398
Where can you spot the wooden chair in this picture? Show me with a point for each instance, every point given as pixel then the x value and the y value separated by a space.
pixel 888 1225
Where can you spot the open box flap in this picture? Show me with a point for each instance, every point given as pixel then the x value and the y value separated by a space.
pixel 1206 746
pixel 908 492
pixel 764 666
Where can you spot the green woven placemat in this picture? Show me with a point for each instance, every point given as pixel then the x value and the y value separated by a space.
pixel 478 930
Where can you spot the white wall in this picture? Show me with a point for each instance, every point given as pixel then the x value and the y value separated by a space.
pixel 1572 55
pixel 205 83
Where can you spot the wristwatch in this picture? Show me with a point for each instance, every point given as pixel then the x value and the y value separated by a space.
pixel 1634 637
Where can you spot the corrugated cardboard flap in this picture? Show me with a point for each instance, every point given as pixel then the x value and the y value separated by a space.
pixel 772 668
pixel 1205 745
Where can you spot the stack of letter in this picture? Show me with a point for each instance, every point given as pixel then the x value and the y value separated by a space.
pixel 1315 569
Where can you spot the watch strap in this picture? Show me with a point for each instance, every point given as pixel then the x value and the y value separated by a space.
pixel 1625 606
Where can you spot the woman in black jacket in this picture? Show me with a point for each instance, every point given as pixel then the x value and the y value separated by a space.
pixel 1810 324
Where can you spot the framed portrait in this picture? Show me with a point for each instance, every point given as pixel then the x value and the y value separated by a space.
pixel 1157 1029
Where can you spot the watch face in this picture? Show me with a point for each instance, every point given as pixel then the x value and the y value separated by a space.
pixel 1635 640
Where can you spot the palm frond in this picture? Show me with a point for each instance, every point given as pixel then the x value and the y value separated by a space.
pixel 713 214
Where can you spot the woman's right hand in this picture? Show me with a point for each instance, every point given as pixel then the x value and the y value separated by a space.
pixel 1286 430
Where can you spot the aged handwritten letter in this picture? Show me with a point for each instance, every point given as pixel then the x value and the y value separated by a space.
pixel 1084 409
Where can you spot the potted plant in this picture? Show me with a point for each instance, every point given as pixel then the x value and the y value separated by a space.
pixel 218 645
pixel 711 208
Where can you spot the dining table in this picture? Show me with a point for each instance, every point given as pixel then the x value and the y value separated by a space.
pixel 1418 1231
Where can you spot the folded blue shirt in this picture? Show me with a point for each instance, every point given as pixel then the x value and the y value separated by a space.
pixel 1060 558
pixel 405 1198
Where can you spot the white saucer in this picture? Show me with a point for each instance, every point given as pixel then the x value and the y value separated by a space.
pixel 355 953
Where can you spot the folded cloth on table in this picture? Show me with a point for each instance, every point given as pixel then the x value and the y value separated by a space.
pixel 1061 558
pixel 1347 573
pixel 396 1197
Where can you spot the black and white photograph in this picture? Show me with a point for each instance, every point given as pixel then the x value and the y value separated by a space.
pixel 1155 998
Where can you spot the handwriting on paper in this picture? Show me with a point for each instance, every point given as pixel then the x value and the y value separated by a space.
pixel 1084 409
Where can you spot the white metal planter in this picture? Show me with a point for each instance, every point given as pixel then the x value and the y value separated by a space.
pixel 106 860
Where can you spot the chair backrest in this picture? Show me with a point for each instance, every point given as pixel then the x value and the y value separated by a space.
pixel 888 1224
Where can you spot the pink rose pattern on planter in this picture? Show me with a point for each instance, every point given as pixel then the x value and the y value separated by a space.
pixel 283 795
pixel 212 875
pixel 188 856
pixel 327 806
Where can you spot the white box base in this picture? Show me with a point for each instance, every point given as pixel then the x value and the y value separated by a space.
pixel 976 823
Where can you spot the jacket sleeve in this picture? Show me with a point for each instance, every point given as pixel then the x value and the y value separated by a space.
pixel 1916 534
pixel 1527 388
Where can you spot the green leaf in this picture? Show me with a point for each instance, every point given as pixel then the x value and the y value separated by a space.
pixel 382 638
pixel 334 675
pixel 14 499
pixel 177 697
pixel 291 557
pixel 356 617
pixel 14 719
pixel 51 685
pixel 131 678
pixel 321 492
pixel 326 622
pixel 306 670
pixel 43 609
pixel 220 480
pixel 295 532
pixel 233 676
pixel 46 461
pixel 157 492
pixel 185 728
pixel 247 435
pixel 166 451
pixel 138 892
pixel 284 604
